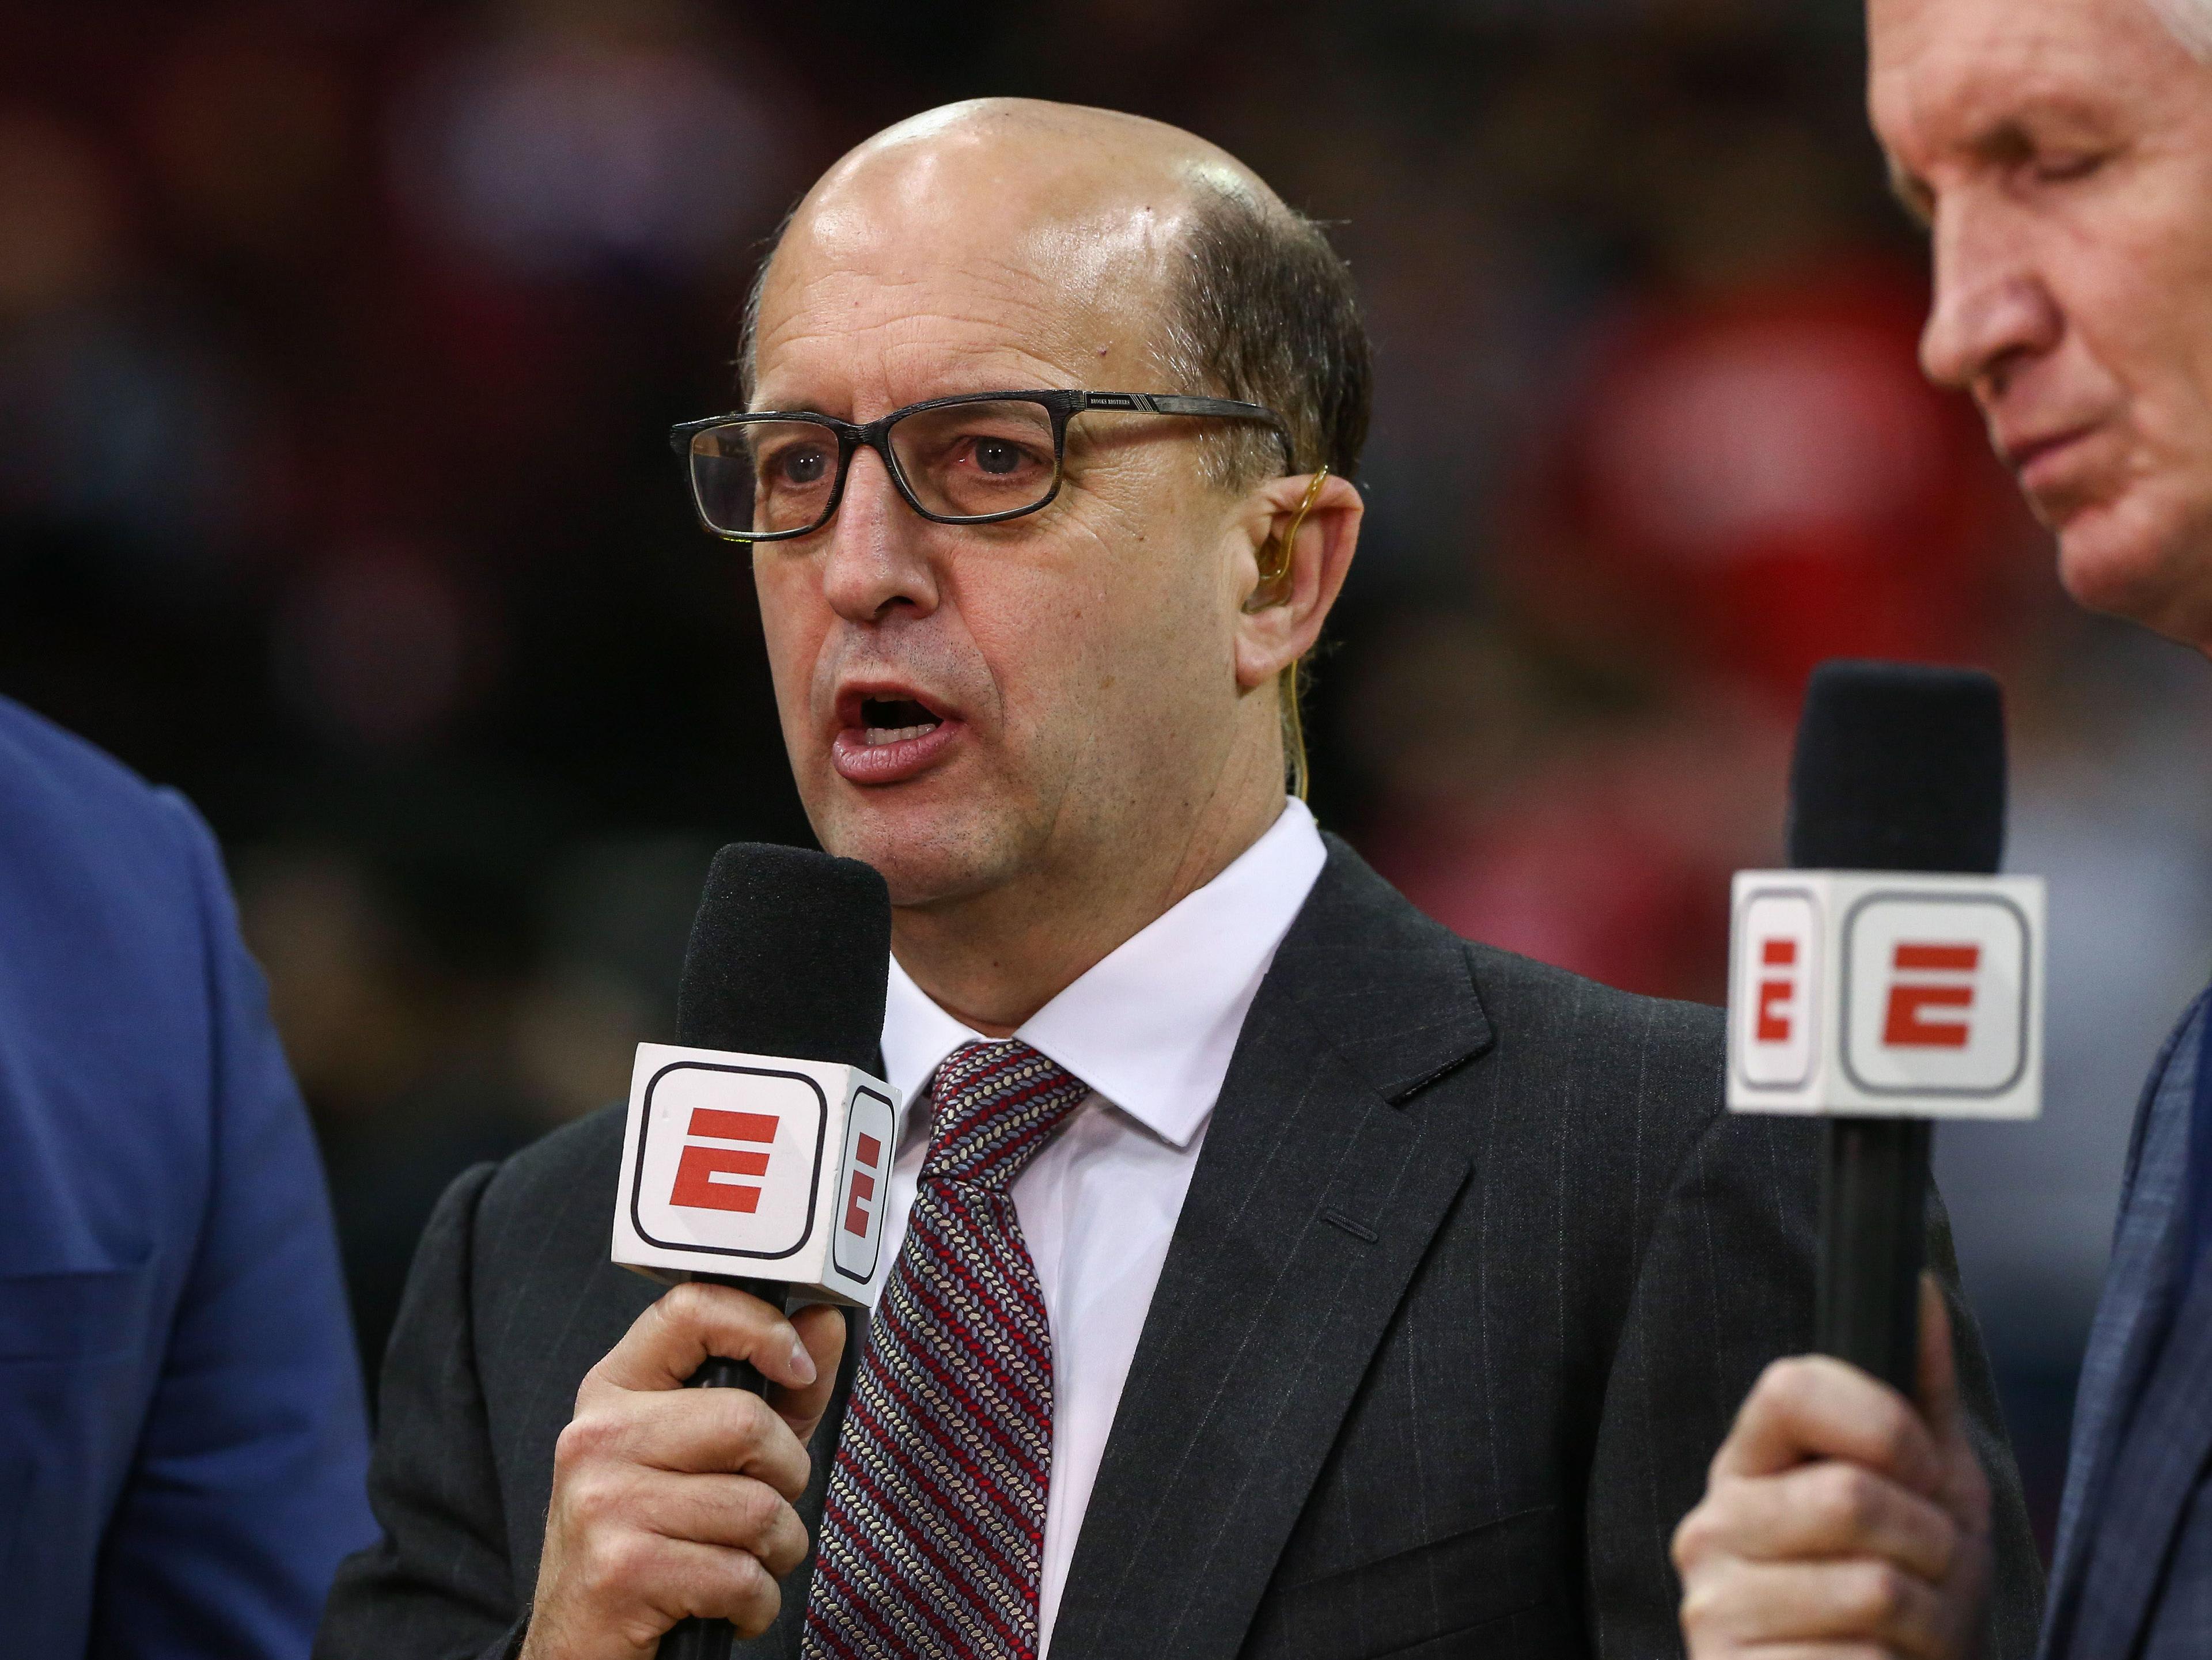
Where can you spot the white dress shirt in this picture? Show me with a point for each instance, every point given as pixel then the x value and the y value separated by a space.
pixel 1151 1029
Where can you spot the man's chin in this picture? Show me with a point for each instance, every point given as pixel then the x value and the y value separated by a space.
pixel 928 854
pixel 2147 561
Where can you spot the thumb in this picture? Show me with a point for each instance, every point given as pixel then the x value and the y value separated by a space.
pixel 1966 1492
pixel 1939 1372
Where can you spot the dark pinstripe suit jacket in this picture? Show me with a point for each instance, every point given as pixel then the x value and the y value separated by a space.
pixel 1472 1274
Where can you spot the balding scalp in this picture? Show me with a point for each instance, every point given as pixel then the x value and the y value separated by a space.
pixel 1257 304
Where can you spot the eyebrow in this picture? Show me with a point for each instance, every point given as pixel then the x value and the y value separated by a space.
pixel 1911 195
pixel 2010 137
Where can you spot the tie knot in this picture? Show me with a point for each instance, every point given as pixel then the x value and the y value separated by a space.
pixel 997 1104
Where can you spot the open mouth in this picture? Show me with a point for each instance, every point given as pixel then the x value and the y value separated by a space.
pixel 895 719
pixel 886 736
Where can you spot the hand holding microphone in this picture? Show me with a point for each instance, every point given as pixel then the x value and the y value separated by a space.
pixel 1837 1512
pixel 671 1502
pixel 1890 979
pixel 754 1158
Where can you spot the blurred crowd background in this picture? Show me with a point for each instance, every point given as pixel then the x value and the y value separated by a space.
pixel 338 344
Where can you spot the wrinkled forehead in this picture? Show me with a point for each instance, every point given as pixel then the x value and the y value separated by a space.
pixel 920 267
pixel 1952 73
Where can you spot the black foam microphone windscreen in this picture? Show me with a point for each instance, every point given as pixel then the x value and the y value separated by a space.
pixel 789 956
pixel 1899 767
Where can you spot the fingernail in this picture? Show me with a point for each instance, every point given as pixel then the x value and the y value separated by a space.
pixel 802 1362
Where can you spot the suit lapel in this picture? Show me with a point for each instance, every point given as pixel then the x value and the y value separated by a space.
pixel 1321 1182
pixel 2132 1318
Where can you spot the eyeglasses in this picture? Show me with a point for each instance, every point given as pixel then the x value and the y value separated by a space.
pixel 974 460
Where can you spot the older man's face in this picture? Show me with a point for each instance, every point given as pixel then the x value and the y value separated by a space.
pixel 1064 681
pixel 2061 151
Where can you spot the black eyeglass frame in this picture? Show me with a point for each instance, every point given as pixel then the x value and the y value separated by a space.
pixel 1062 405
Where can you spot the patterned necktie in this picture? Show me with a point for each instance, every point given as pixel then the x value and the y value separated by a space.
pixel 933 1530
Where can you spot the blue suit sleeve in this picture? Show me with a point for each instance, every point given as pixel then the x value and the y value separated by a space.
pixel 249 1481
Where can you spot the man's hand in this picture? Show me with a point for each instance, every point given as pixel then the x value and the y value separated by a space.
pixel 669 1501
pixel 1837 1520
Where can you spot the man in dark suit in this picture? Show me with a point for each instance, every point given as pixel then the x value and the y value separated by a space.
pixel 2060 153
pixel 182 1444
pixel 1281 1275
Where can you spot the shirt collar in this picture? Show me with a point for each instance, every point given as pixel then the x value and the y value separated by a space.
pixel 1152 1024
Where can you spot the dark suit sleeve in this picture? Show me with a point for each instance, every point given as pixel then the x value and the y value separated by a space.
pixel 438 1585
pixel 1723 1286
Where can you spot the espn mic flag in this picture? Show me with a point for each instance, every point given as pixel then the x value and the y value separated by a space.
pixel 759 1147
pixel 1890 994
pixel 1892 978
pixel 759 1166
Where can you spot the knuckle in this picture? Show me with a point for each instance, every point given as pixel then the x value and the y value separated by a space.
pixel 1898 1439
pixel 687 1305
pixel 751 1418
pixel 786 1555
pixel 1693 1538
pixel 791 1543
pixel 1702 1605
pixel 1877 1595
pixel 1847 1500
pixel 618 1561
pixel 752 1578
pixel 1775 1378
pixel 594 1498
pixel 788 1477
pixel 582 1439
pixel 756 1509
pixel 1783 1391
pixel 761 1599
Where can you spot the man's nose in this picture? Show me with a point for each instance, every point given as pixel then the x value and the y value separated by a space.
pixel 875 561
pixel 1991 310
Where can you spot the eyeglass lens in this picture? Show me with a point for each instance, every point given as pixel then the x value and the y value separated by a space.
pixel 962 461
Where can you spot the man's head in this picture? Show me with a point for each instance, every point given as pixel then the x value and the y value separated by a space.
pixel 1098 683
pixel 2061 154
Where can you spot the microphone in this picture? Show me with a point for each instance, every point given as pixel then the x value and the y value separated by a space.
pixel 758 1147
pixel 1889 978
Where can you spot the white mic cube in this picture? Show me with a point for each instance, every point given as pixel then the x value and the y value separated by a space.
pixel 757 1167
pixel 1885 994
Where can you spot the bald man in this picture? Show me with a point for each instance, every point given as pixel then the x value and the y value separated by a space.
pixel 1277 1274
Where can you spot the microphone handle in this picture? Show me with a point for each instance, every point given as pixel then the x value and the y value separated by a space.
pixel 714 1639
pixel 1874 1198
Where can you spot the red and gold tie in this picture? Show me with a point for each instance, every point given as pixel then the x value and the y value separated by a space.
pixel 933 1529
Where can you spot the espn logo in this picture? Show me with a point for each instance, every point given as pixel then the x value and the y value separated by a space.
pixel 1935 994
pixel 1778 993
pixel 757 1165
pixel 1860 992
pixel 710 1175
pixel 869 1136
pixel 858 1210
pixel 726 1157
pixel 1925 977
pixel 1783 987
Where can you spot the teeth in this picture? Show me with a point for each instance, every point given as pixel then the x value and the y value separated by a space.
pixel 872 736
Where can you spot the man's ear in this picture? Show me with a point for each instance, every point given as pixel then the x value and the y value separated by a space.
pixel 1288 586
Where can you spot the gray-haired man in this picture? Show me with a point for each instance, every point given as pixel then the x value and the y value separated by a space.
pixel 2060 152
